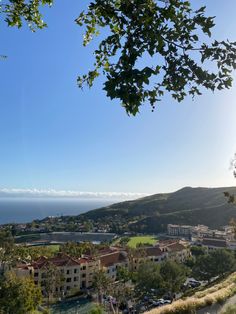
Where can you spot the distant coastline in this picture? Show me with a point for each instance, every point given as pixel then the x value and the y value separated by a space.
pixel 22 210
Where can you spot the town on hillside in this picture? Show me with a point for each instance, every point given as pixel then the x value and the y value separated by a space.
pixel 117 275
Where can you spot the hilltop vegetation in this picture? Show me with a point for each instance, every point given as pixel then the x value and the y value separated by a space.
pixel 148 215
pixel 151 214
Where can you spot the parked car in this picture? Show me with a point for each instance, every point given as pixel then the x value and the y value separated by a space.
pixel 159 302
pixel 194 283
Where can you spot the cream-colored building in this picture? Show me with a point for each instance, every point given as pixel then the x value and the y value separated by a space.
pixel 179 230
pixel 75 274
pixel 111 260
pixel 200 232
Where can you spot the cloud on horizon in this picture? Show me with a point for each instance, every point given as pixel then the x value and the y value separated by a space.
pixel 14 192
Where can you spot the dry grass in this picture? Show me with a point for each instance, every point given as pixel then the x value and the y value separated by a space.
pixel 215 294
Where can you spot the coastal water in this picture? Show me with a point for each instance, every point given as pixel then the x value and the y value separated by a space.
pixel 25 209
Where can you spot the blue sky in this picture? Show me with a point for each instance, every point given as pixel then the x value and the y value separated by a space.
pixel 55 136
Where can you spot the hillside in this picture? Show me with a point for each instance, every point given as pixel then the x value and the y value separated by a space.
pixel 186 206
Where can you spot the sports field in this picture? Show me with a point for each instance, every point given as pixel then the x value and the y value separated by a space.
pixel 141 239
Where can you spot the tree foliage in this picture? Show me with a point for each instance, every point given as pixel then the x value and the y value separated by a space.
pixel 15 12
pixel 170 33
pixel 216 263
pixel 173 275
pixel 18 295
pixel 73 249
pixel 167 277
pixel 101 284
pixel 231 197
pixel 52 280
pixel 201 269
pixel 148 278
pixel 96 310
pixel 197 251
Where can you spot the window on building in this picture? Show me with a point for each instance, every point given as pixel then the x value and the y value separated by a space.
pixel 75 278
pixel 36 274
pixel 68 272
pixel 75 271
pixel 84 275
pixel 68 279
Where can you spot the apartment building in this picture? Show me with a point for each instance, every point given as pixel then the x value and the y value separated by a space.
pixel 111 260
pixel 176 250
pixel 199 232
pixel 75 274
pixel 179 230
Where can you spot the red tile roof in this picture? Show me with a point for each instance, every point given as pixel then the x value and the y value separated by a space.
pixel 176 247
pixel 153 251
pixel 112 259
pixel 61 260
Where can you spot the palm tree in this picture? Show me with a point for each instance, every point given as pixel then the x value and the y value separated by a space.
pixel 101 284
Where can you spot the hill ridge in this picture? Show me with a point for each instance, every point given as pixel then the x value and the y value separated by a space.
pixel 188 205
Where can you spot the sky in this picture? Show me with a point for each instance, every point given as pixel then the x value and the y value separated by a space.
pixel 53 136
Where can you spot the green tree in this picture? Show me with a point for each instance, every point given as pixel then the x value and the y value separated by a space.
pixel 52 280
pixel 6 248
pixel 122 293
pixel 96 310
pixel 101 284
pixel 148 277
pixel 170 34
pixel 231 197
pixel 124 241
pixel 222 262
pixel 197 251
pixel 168 31
pixel 216 263
pixel 123 274
pixel 202 269
pixel 73 249
pixel 88 226
pixel 18 295
pixel 190 262
pixel 15 12
pixel 173 276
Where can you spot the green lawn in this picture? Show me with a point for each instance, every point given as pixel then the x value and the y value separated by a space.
pixel 141 239
pixel 53 247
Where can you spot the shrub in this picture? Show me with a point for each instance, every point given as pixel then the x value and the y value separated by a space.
pixel 216 294
pixel 231 309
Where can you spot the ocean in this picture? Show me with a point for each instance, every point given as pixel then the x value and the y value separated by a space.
pixel 20 210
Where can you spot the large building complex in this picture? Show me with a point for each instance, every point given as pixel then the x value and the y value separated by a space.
pixel 77 274
pixel 199 231
pixel 67 273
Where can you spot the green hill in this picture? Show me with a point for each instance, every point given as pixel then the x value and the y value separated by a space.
pixel 151 214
